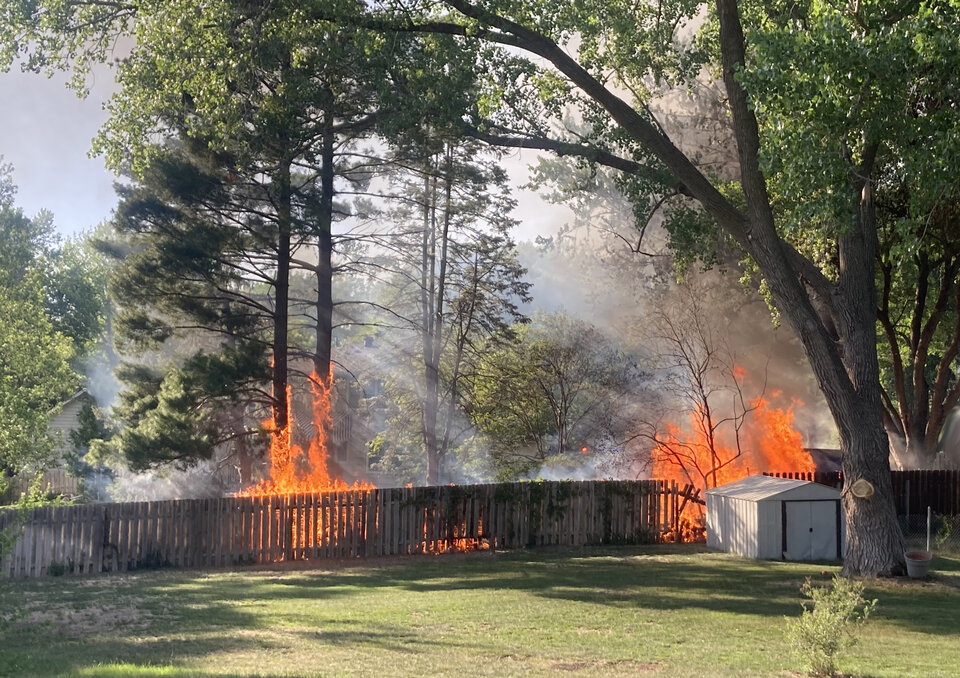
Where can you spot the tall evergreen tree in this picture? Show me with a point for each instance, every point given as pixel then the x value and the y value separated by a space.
pixel 268 136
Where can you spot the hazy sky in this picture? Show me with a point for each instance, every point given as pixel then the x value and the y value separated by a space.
pixel 45 133
pixel 46 130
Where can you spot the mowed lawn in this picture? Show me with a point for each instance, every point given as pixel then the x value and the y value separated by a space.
pixel 624 611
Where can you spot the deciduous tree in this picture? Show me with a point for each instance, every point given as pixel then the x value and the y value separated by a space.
pixel 35 375
pixel 564 387
pixel 919 315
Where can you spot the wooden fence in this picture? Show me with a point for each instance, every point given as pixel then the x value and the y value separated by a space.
pixel 354 524
pixel 913 491
pixel 58 480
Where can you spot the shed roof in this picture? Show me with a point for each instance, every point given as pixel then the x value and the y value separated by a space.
pixel 762 488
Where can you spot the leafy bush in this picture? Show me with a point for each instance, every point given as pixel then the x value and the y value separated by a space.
pixel 947 533
pixel 829 623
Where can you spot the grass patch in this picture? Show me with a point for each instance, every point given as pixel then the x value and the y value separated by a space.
pixel 626 611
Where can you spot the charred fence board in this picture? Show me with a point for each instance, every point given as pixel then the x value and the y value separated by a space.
pixel 218 532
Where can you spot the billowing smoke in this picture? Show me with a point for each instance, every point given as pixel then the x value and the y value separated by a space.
pixel 100 382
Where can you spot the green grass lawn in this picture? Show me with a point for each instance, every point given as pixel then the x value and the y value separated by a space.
pixel 626 611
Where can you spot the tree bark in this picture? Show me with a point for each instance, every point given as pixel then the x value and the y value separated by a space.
pixel 281 197
pixel 324 271
pixel 847 370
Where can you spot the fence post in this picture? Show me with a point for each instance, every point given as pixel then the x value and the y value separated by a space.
pixel 906 492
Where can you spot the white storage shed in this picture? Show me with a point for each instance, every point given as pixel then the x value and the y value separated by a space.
pixel 776 519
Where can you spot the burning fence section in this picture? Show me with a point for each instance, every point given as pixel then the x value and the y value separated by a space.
pixel 346 524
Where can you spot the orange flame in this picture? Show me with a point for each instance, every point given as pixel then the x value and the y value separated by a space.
pixel 768 443
pixel 291 469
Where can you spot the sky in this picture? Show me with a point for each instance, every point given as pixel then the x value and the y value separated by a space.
pixel 46 133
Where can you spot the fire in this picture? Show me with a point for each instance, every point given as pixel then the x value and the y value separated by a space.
pixel 462 545
pixel 294 470
pixel 768 442
pixel 777 445
pixel 689 529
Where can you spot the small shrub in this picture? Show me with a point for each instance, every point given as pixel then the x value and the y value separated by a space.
pixel 947 533
pixel 829 623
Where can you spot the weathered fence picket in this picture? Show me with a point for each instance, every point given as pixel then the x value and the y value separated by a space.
pixel 217 532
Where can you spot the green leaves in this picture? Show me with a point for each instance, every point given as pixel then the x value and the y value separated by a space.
pixel 35 377
pixel 178 414
pixel 828 625
pixel 555 390
pixel 35 374
pixel 829 83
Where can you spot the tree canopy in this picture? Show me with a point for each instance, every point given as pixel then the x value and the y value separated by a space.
pixel 826 101
pixel 554 396
pixel 35 374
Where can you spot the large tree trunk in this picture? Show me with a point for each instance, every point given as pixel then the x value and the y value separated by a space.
pixel 845 366
pixel 874 544
pixel 919 452
pixel 281 290
pixel 324 305
pixel 873 541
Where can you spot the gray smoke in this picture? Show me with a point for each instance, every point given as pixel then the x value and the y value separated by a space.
pixel 197 482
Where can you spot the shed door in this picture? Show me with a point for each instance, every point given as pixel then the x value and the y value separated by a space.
pixel 810 530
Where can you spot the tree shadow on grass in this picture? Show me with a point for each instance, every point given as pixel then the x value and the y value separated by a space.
pixel 648 578
pixel 169 615
pixel 382 637
pixel 191 615
pixel 83 656
pixel 608 577
pixel 627 578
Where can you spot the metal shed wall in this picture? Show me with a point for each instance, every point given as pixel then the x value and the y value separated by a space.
pixel 732 525
pixel 747 517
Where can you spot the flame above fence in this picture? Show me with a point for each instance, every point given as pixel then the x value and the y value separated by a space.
pixel 766 442
pixel 293 469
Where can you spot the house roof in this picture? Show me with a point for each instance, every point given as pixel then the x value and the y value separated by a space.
pixel 79 394
pixel 82 393
pixel 764 488
pixel 826 458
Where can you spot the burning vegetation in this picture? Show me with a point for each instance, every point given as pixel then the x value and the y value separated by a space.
pixel 706 454
pixel 718 447
pixel 293 469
